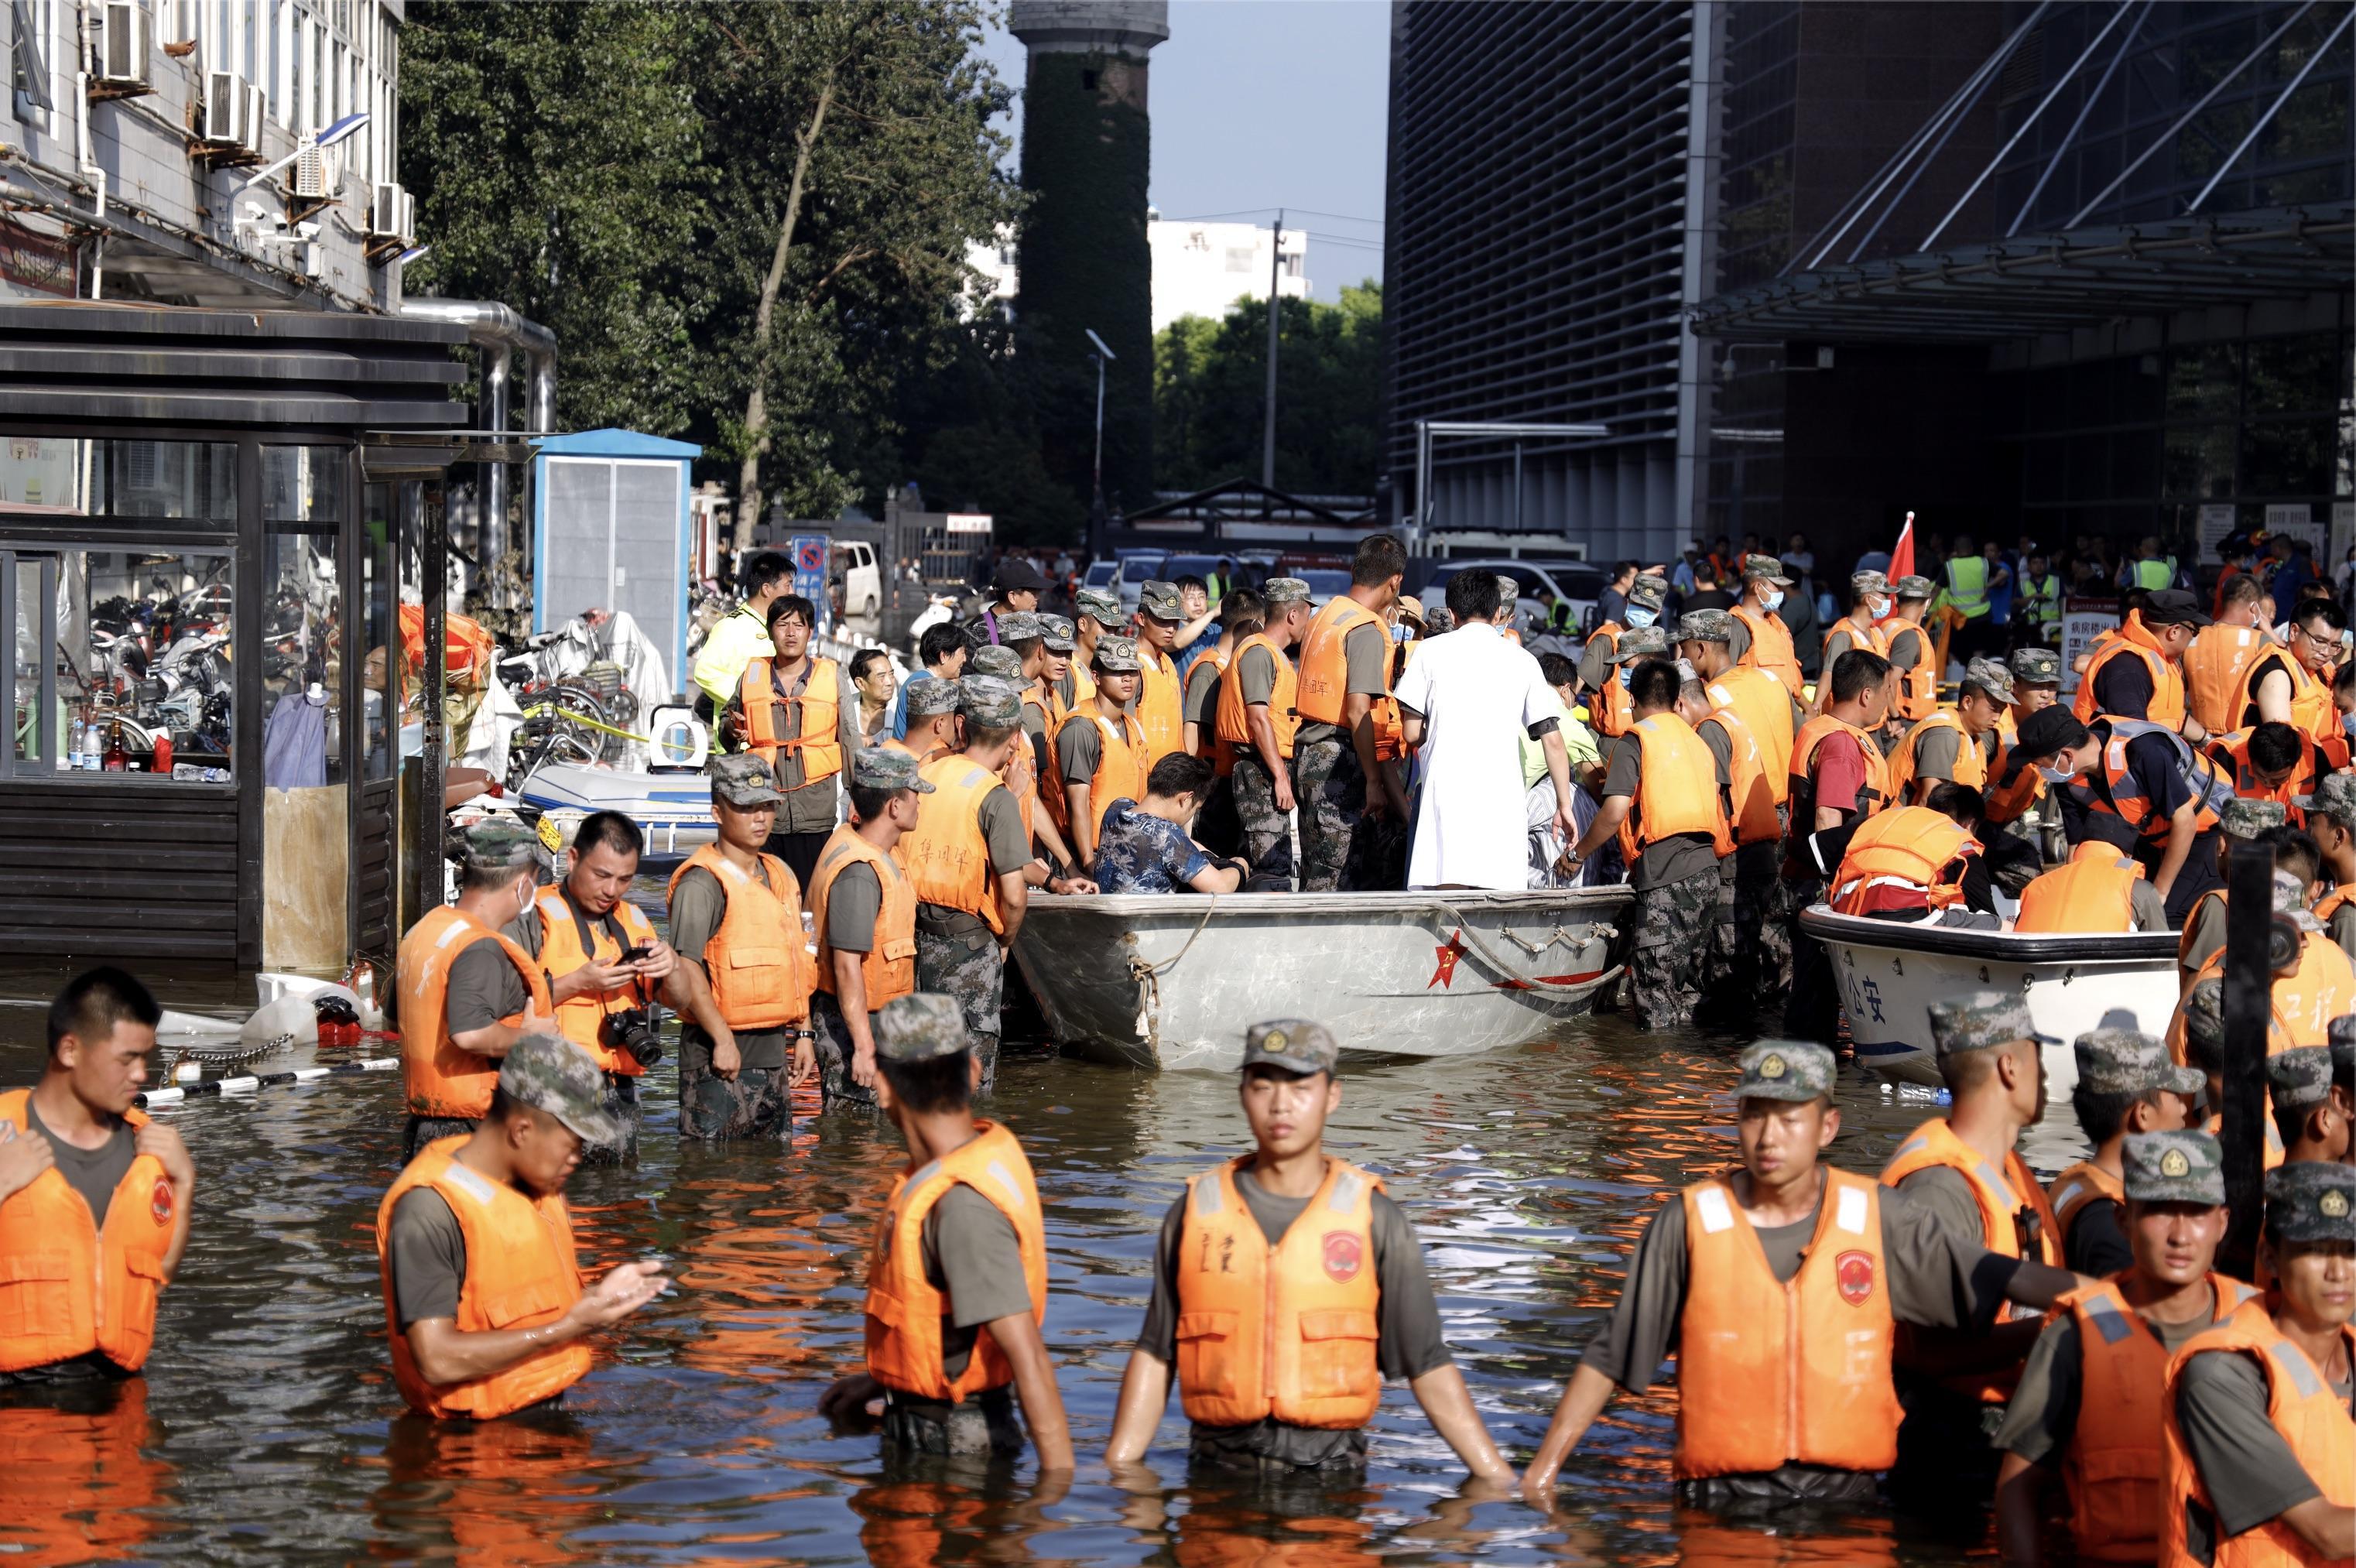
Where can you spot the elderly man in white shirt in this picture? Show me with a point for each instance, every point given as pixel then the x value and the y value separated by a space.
pixel 1467 698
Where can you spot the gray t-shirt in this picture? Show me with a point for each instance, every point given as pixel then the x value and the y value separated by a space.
pixel 95 1173
pixel 2043 1414
pixel 1365 672
pixel 1936 752
pixel 1595 662
pixel 1202 694
pixel 698 905
pixel 2342 927
pixel 485 987
pixel 1664 861
pixel 852 906
pixel 429 1257
pixel 2204 933
pixel 973 1257
pixel 1905 647
pixel 1079 747
pixel 1254 670
pixel 2150 910
pixel 2250 1472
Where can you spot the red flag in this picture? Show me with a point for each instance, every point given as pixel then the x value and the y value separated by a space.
pixel 1901 558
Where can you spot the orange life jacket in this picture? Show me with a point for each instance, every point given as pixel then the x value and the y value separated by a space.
pixel 1771 652
pixel 819 741
pixel 2116 1454
pixel 2332 902
pixel 2312 711
pixel 2074 1189
pixel 1123 765
pixel 581 1019
pixel 947 856
pixel 68 1285
pixel 1324 666
pixel 2010 802
pixel 2125 799
pixel 1207 742
pixel 2093 892
pixel 1754 819
pixel 1871 799
pixel 2001 1195
pixel 2214 667
pixel 1918 683
pixel 1390 726
pixel 441 1079
pixel 1286 1330
pixel 1677 788
pixel 1161 705
pixel 2307 999
pixel 2313 1420
pixel 521 1274
pixel 759 961
pixel 1234 726
pixel 1872 639
pixel 1908 848
pixel 2231 752
pixel 1971 761
pixel 903 1309
pixel 889 970
pixel 1772 1372
pixel 1765 705
pixel 2167 707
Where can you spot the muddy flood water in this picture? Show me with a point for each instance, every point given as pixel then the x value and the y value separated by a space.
pixel 267 1428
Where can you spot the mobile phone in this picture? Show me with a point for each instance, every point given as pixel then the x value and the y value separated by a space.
pixel 634 954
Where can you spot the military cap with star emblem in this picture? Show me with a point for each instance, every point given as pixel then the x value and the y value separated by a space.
pixel 1791 1070
pixel 1296 1045
pixel 1099 606
pixel 923 1026
pixel 2184 1167
pixel 2311 1200
pixel 1981 1021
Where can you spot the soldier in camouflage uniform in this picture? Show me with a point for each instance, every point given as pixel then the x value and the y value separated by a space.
pixel 1750 959
pixel 2311 1120
pixel 2036 683
pixel 1256 670
pixel 847 901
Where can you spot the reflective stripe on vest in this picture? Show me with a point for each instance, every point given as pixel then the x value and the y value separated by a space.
pixel 581 1019
pixel 2126 798
pixel 521 1274
pixel 905 1310
pixel 1324 672
pixel 818 739
pixel 2232 752
pixel 1286 1330
pixel 70 1286
pixel 1906 848
pixel 1870 638
pixel 758 960
pixel 441 1080
pixel 1970 766
pixel 1234 726
pixel 2001 1196
pixel 1677 788
pixel 1967 578
pixel 1766 704
pixel 1772 1372
pixel 2075 1187
pixel 889 968
pixel 2095 892
pixel 946 855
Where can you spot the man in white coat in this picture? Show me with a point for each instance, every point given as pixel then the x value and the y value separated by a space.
pixel 1467 698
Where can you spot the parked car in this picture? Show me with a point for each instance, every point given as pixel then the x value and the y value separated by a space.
pixel 1574 580
pixel 858 578
pixel 1137 568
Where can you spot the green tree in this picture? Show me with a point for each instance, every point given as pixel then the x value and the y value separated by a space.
pixel 1210 380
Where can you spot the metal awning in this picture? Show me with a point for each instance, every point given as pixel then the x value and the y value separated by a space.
pixel 2038 283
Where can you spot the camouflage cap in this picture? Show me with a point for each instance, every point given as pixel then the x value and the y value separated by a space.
pixel 2335 798
pixel 1285 591
pixel 1641 643
pixel 2243 818
pixel 1509 589
pixel 2184 1167
pixel 2205 1022
pixel 1796 1071
pixel 2290 899
pixel 1764 568
pixel 745 779
pixel 887 767
pixel 1296 1045
pixel 923 1026
pixel 1019 626
pixel 496 844
pixel 549 1073
pixel 989 702
pixel 1981 1021
pixel 1100 605
pixel 1992 677
pixel 1442 619
pixel 1118 655
pixel 930 695
pixel 2128 1061
pixel 1914 586
pixel 1705 625
pixel 1056 633
pixel 2300 1076
pixel 998 659
pixel 2311 1200
pixel 1648 592
pixel 1861 583
pixel 2037 667
pixel 1161 600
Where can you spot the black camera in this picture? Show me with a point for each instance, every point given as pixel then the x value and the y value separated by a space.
pixel 637 1031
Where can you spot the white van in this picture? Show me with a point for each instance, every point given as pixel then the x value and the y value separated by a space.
pixel 859 579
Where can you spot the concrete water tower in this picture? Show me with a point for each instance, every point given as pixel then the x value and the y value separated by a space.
pixel 1082 262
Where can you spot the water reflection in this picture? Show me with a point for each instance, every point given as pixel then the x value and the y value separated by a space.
pixel 81 1484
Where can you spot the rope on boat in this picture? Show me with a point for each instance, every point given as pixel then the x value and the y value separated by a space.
pixel 1149 975
pixel 1471 937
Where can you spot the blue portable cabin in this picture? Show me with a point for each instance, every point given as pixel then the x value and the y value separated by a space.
pixel 609 528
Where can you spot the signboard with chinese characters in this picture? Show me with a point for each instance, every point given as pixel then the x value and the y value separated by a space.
pixel 2297 519
pixel 40 474
pixel 968 522
pixel 2082 620
pixel 2216 523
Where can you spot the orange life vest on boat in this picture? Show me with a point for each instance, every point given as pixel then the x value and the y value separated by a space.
pixel 1918 683
pixel 1677 788
pixel 2002 1196
pixel 1771 652
pixel 581 1019
pixel 1772 1372
pixel 1234 722
pixel 2093 892
pixel 2313 1420
pixel 905 1310
pixel 1876 794
pixel 2312 711
pixel 521 1274
pixel 889 968
pixel 819 741
pixel 1323 679
pixel 759 961
pixel 1753 818
pixel 2214 667
pixel 1161 705
pixel 1288 1330
pixel 441 1080
pixel 1765 706
pixel 1971 761
pixel 2166 708
pixel 946 855
pixel 69 1285
pixel 1872 639
pixel 1207 744
pixel 2116 1453
pixel 1907 849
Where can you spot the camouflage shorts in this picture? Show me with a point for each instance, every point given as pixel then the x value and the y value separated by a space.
pixel 838 1091
pixel 1342 847
pixel 1664 969
pixel 759 1102
pixel 1750 952
pixel 970 969
pixel 1267 832
pixel 985 1424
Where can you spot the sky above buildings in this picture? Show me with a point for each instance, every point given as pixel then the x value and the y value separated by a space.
pixel 1262 104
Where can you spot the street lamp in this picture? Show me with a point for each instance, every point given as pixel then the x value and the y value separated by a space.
pixel 1100 355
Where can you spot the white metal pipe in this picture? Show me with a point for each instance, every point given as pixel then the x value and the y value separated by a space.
pixel 2313 58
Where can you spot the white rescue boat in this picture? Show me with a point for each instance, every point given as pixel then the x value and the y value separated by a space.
pixel 1174 980
pixel 1890 972
pixel 673 809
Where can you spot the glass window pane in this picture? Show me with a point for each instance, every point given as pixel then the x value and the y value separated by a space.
pixel 180 480
pixel 2287 458
pixel 2197 461
pixel 2292 374
pixel 303 484
pixel 143 653
pixel 301 643
pixel 2202 382
pixel 24 663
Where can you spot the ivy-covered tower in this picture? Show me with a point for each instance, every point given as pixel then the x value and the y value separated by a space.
pixel 1083 260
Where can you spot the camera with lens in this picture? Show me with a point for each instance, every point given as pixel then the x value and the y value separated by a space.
pixel 637 1031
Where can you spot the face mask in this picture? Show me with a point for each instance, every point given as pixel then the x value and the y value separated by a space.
pixel 2054 776
pixel 1771 600
pixel 1641 617
pixel 2348 722
pixel 1879 607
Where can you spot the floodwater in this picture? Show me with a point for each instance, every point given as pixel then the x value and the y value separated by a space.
pixel 267 1428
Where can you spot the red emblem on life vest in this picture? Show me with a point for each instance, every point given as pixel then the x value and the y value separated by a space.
pixel 1342 1254
pixel 1854 1273
pixel 159 1202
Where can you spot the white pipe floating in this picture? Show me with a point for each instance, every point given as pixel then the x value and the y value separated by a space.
pixel 246 1084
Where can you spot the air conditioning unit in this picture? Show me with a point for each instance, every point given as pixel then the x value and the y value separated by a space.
pixel 408 218
pixel 224 109
pixel 122 44
pixel 307 176
pixel 384 211
pixel 257 118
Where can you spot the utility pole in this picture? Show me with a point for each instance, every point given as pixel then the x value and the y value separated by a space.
pixel 1275 275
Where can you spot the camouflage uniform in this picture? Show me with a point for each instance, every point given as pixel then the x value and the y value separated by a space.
pixel 1749 951
pixel 1267 831
pixel 759 1102
pixel 838 1090
pixel 1341 847
pixel 966 963
pixel 1664 972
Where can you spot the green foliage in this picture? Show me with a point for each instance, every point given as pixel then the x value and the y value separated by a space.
pixel 1210 385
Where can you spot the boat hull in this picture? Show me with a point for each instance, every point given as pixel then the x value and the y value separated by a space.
pixel 1173 981
pixel 1888 975
pixel 673 809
